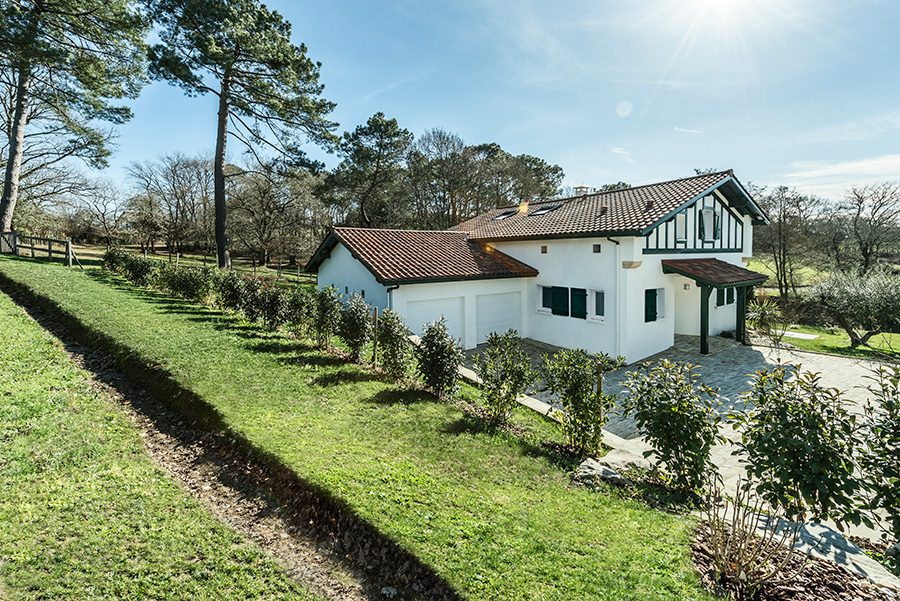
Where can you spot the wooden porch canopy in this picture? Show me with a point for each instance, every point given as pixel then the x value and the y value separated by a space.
pixel 713 273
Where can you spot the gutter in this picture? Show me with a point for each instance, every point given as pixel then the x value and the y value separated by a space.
pixel 619 318
pixel 390 296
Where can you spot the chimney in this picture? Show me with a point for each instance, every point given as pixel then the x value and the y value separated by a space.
pixel 582 190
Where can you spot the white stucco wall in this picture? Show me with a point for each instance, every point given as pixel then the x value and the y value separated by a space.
pixel 571 264
pixel 468 290
pixel 687 303
pixel 348 275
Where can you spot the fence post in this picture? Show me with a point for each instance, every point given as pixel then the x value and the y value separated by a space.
pixel 15 240
pixel 50 249
pixel 69 253
pixel 31 245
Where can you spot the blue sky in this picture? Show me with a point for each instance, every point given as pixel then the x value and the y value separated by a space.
pixel 804 93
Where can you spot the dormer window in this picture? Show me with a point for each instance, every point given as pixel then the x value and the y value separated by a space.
pixel 543 210
pixel 505 214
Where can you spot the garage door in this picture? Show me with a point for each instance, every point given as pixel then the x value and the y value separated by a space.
pixel 497 313
pixel 418 313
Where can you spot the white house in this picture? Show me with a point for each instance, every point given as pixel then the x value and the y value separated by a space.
pixel 619 272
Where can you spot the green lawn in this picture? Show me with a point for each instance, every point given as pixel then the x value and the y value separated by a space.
pixel 84 514
pixel 836 341
pixel 493 514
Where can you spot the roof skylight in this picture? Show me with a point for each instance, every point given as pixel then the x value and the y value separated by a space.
pixel 543 210
pixel 505 214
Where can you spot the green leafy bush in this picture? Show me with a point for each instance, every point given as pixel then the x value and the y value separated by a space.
pixel 355 327
pixel 137 270
pixel 251 303
pixel 327 315
pixel 679 417
pixel 505 373
pixel 300 311
pixel 863 305
pixel 273 306
pixel 191 283
pixel 799 442
pixel 880 454
pixel 574 375
pixel 439 357
pixel 393 341
pixel 230 291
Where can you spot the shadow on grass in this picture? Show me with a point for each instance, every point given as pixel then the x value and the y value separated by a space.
pixel 348 376
pixel 407 396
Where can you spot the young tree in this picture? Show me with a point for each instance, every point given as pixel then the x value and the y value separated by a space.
pixel 70 57
pixel 268 89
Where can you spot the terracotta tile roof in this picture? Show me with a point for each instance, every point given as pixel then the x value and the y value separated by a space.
pixel 628 211
pixel 712 271
pixel 406 256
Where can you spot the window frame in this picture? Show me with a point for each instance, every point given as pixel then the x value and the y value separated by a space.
pixel 592 305
pixel 682 219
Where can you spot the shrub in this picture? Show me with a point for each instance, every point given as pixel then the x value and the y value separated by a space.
pixel 863 305
pixel 439 357
pixel 393 340
pixel 137 270
pixel 273 306
pixel 355 327
pixel 573 374
pixel 300 311
pixel 327 316
pixel 679 417
pixel 764 316
pixel 799 442
pixel 251 302
pixel 230 291
pixel 880 455
pixel 505 373
pixel 744 559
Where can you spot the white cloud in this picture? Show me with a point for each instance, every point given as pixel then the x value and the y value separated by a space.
pixel 624 153
pixel 687 131
pixel 861 129
pixel 833 179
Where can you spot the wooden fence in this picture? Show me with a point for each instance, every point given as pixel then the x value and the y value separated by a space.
pixel 21 245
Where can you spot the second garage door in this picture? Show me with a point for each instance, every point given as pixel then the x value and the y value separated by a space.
pixel 497 313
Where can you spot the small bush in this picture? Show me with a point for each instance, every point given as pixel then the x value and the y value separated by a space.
pixel 355 327
pixel 880 456
pixel 505 373
pixel 274 306
pixel 393 341
pixel 137 270
pixel 764 316
pixel 799 443
pixel 679 418
pixel 230 291
pixel 327 315
pixel 300 311
pixel 574 374
pixel 439 357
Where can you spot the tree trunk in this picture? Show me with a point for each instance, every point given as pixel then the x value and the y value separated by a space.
pixel 222 255
pixel 16 143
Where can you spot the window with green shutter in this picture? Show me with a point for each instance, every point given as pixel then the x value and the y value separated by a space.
pixel 730 296
pixel 560 300
pixel 720 297
pixel 579 303
pixel 650 305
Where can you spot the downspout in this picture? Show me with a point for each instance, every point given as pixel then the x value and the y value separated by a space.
pixel 391 296
pixel 618 297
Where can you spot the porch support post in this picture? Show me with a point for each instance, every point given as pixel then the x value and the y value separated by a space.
pixel 705 292
pixel 740 331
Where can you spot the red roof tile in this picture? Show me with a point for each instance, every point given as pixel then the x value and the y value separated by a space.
pixel 405 256
pixel 712 271
pixel 618 211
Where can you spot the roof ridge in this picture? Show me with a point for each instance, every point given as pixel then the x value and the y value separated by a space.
pixel 405 231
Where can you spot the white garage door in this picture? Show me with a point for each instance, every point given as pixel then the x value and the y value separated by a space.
pixel 418 313
pixel 497 313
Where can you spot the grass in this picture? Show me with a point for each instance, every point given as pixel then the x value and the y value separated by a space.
pixel 836 341
pixel 84 514
pixel 493 514
pixel 805 274
pixel 91 255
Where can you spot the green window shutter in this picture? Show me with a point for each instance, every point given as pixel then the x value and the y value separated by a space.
pixel 560 301
pixel 650 305
pixel 720 297
pixel 730 295
pixel 579 303
pixel 717 226
pixel 701 226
